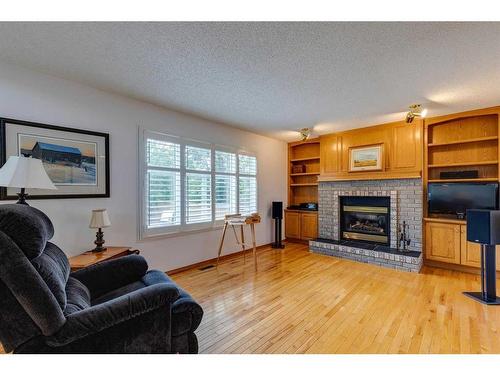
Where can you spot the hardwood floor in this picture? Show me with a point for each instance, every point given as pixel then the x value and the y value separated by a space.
pixel 300 302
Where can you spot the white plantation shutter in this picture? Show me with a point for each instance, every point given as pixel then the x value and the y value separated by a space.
pixel 225 184
pixel 162 184
pixel 225 196
pixel 198 185
pixel 247 166
pixel 248 195
pixel 163 198
pixel 191 185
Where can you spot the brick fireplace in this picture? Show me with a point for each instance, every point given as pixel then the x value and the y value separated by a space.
pixel 359 220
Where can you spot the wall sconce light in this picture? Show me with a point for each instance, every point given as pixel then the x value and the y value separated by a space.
pixel 304 134
pixel 415 110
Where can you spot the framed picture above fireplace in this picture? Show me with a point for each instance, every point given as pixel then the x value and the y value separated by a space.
pixel 366 158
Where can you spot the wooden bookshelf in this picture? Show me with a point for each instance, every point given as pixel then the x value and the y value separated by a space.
pixel 303 186
pixel 463 142
pixel 467 141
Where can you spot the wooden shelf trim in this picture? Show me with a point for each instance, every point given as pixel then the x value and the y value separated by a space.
pixel 305 159
pixel 464 164
pixel 495 179
pixel 305 184
pixel 354 177
pixel 470 140
pixel 308 142
pixel 304 174
pixel 444 220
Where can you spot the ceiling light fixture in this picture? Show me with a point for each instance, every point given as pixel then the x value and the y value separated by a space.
pixel 415 110
pixel 305 133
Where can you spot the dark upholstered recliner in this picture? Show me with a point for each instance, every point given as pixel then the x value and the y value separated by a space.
pixel 117 306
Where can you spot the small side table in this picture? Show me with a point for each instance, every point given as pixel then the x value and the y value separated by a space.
pixel 89 258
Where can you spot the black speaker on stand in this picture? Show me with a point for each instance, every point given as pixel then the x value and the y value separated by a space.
pixel 483 227
pixel 277 214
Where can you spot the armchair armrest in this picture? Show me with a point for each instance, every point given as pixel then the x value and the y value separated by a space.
pixel 111 274
pixel 100 317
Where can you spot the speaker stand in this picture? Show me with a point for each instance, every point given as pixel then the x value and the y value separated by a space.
pixel 277 235
pixel 488 293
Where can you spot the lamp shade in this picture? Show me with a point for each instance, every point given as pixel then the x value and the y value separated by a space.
pixel 100 219
pixel 23 172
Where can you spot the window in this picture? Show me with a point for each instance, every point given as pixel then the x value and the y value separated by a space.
pixel 248 184
pixel 225 183
pixel 198 184
pixel 163 190
pixel 191 185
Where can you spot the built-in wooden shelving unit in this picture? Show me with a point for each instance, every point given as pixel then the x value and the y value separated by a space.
pixel 303 186
pixel 463 142
pixel 467 141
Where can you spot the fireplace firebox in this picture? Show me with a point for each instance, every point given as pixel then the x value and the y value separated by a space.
pixel 365 218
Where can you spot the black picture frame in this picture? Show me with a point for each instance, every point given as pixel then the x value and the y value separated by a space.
pixel 3 158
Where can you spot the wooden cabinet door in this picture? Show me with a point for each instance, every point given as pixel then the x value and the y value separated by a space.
pixel 471 252
pixel 406 142
pixel 329 151
pixel 442 242
pixel 308 226
pixel 292 225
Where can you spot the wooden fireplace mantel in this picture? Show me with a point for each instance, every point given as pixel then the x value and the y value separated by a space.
pixel 370 176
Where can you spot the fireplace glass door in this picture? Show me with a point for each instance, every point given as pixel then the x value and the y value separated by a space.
pixel 365 219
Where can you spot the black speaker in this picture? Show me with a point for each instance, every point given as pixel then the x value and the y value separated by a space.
pixel 459 174
pixel 277 210
pixel 277 216
pixel 483 226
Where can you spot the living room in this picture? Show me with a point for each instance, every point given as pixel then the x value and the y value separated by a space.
pixel 203 187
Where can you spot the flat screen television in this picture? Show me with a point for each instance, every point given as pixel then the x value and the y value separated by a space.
pixel 457 198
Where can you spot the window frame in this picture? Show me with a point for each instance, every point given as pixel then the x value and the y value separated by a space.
pixel 184 228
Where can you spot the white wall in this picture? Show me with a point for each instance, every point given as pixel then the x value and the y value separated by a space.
pixel 31 96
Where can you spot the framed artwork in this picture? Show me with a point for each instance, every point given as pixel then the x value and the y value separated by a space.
pixel 77 161
pixel 366 158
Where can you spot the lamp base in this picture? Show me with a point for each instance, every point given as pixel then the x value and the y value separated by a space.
pixel 99 249
pixel 99 241
pixel 22 197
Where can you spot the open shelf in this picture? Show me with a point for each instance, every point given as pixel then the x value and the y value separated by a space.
pixel 470 140
pixel 466 180
pixel 305 174
pixel 305 159
pixel 310 141
pixel 305 184
pixel 464 164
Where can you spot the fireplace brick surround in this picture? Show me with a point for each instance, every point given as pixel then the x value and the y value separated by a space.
pixel 406 205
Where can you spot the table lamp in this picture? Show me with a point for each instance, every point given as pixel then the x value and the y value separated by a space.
pixel 25 173
pixel 99 220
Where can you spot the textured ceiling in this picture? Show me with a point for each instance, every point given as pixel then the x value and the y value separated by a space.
pixel 273 78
